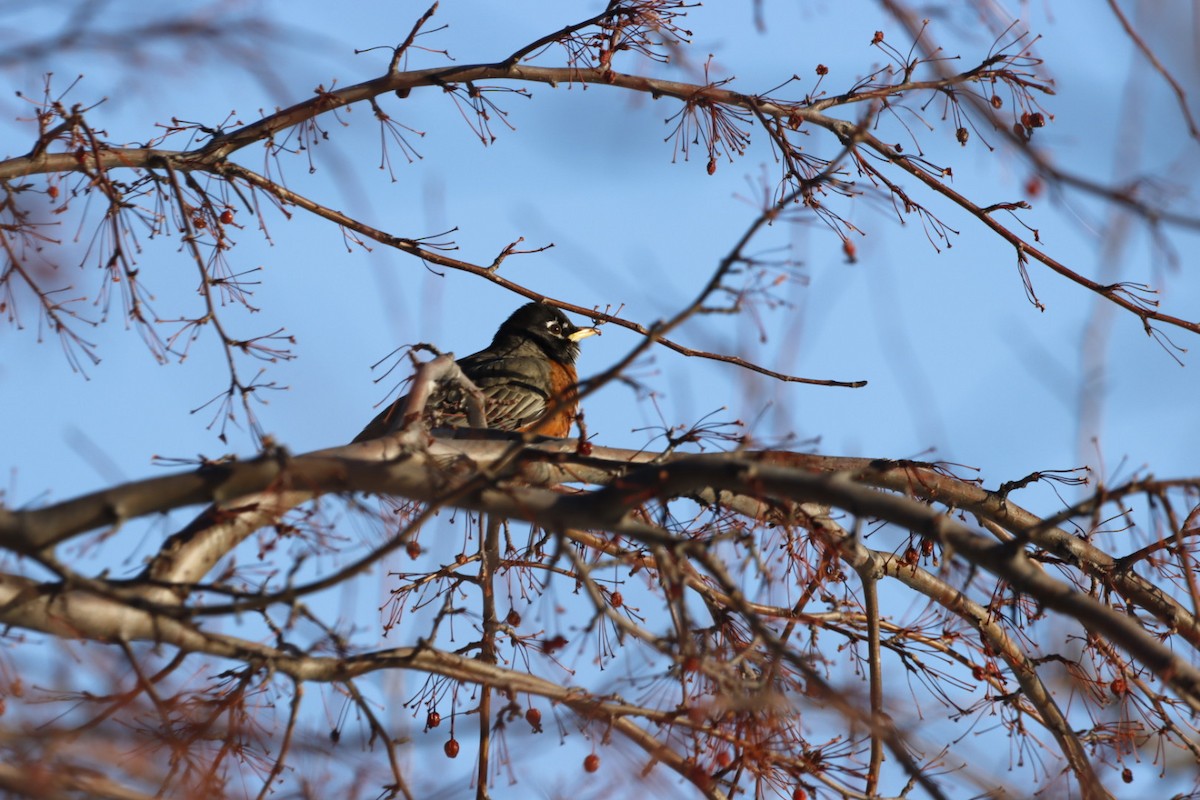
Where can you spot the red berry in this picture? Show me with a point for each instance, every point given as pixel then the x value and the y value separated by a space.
pixel 433 720
pixel 451 748
pixel 591 763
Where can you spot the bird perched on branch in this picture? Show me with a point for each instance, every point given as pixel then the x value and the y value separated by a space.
pixel 526 375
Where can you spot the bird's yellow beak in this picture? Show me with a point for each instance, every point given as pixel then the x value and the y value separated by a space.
pixel 583 333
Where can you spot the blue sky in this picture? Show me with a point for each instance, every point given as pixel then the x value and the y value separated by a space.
pixel 956 359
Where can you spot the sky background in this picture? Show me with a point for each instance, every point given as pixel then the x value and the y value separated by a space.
pixel 960 366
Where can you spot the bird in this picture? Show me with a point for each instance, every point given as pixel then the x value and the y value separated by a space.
pixel 527 376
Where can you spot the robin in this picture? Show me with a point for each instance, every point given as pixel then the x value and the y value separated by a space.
pixel 527 375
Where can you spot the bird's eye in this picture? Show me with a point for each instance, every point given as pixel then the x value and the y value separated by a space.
pixel 555 328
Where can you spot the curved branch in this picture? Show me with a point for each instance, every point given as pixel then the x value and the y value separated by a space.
pixel 213 156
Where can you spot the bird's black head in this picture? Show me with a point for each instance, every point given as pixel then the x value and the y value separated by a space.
pixel 548 327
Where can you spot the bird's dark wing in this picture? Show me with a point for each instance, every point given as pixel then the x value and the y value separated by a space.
pixel 513 384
